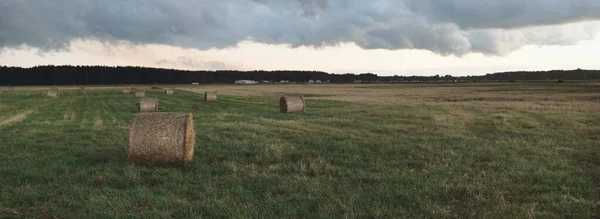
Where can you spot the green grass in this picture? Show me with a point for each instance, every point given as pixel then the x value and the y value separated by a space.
pixel 67 158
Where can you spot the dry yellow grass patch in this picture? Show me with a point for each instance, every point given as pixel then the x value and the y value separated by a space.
pixel 70 116
pixel 225 115
pixel 16 118
pixel 550 96
pixel 318 129
pixel 376 93
pixel 315 165
pixel 453 122
pixel 98 123
pixel 231 165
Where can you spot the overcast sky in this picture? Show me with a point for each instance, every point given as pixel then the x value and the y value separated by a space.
pixel 404 37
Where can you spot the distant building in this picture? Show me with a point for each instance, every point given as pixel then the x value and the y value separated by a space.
pixel 246 82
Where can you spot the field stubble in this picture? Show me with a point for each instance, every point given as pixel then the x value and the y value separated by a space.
pixel 442 151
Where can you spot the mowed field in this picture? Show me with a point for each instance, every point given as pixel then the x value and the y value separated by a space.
pixel 513 150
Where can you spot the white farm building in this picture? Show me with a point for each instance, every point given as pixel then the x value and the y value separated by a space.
pixel 246 82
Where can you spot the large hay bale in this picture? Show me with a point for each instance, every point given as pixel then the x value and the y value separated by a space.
pixel 148 105
pixel 161 138
pixel 169 91
pixel 292 104
pixel 52 93
pixel 126 91
pixel 211 96
pixel 140 94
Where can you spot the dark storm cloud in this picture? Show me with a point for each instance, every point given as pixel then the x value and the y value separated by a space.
pixel 506 13
pixel 442 26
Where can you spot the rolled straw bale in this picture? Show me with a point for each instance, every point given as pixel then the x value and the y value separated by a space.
pixel 126 90
pixel 140 94
pixel 169 91
pixel 161 138
pixel 52 93
pixel 211 96
pixel 55 88
pixel 148 105
pixel 292 104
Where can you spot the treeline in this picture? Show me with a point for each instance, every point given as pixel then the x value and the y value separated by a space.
pixel 100 75
pixel 554 75
pixel 104 75
pixel 578 74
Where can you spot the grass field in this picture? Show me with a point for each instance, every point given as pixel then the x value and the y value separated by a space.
pixel 369 151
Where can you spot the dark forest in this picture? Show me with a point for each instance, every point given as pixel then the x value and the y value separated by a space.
pixel 104 75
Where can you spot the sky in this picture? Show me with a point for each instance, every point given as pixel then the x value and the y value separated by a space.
pixel 387 37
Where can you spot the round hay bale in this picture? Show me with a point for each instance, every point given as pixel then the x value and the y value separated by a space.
pixel 169 91
pixel 292 104
pixel 140 94
pixel 126 90
pixel 161 138
pixel 55 88
pixel 52 93
pixel 148 105
pixel 211 96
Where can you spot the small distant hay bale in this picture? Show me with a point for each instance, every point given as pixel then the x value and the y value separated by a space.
pixel 169 91
pixel 211 96
pixel 126 91
pixel 292 104
pixel 161 138
pixel 140 94
pixel 55 88
pixel 51 93
pixel 148 105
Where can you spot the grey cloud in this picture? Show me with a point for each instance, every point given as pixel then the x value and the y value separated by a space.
pixel 470 14
pixel 442 26
pixel 498 41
